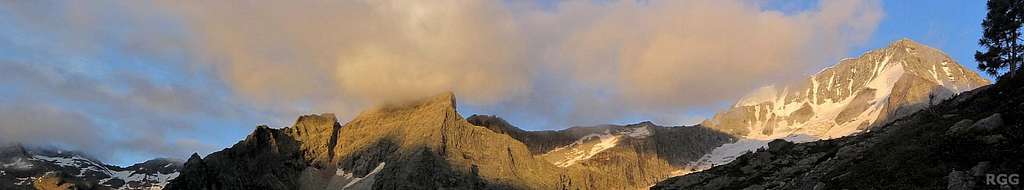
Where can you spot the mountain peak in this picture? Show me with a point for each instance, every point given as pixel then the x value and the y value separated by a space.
pixel 316 117
pixel 318 134
pixel 195 156
pixel 446 98
pixel 439 103
pixel 315 123
pixel 905 42
pixel 852 95
pixel 643 124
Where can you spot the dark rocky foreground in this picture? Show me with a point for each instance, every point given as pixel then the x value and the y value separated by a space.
pixel 957 144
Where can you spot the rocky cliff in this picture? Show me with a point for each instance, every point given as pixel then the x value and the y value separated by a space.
pixel 642 153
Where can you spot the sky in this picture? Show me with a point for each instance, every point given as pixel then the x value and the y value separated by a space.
pixel 128 81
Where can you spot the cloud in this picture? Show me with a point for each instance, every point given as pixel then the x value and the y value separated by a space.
pixel 660 59
pixel 649 57
pixel 40 124
pixel 667 55
pixel 56 106
pixel 349 54
pixel 132 64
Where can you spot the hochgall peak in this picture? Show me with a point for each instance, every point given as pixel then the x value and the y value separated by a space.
pixel 852 95
pixel 905 42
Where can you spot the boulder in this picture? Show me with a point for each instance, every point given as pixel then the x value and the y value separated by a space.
pixel 992 139
pixel 959 180
pixel 778 145
pixel 960 127
pixel 988 124
pixel 981 168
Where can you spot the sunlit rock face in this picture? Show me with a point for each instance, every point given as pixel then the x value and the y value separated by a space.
pixel 426 144
pixel 640 154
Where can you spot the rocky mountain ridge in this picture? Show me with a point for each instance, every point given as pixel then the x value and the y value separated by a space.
pixel 46 168
pixel 427 145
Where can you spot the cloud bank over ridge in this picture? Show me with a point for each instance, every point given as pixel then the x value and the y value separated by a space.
pixel 561 63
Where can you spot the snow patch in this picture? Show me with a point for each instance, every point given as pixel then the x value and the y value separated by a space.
pixel 822 123
pixel 639 132
pixel 24 181
pixel 82 172
pixel 59 161
pixel 585 148
pixel 130 176
pixel 157 180
pixel 882 84
pixel 728 152
pixel 18 164
pixel 164 179
pixel 355 180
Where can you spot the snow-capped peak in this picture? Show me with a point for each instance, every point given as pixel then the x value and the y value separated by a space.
pixel 25 168
pixel 847 98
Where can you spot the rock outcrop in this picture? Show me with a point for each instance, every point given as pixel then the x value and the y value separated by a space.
pixel 537 141
pixel 57 180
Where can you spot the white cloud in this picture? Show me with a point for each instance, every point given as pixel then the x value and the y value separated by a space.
pixel 574 63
